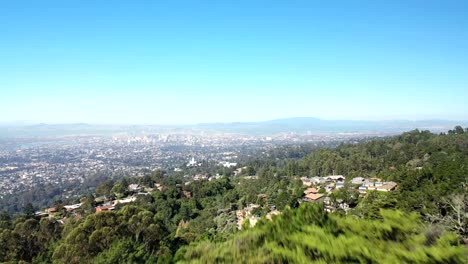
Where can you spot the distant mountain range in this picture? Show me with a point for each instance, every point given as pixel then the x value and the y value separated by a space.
pixel 301 125
pixel 319 126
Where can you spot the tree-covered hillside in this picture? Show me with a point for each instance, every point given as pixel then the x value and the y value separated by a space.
pixel 179 219
pixel 431 172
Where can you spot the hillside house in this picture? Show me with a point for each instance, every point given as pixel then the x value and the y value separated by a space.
pixel 105 208
pixel 335 178
pixel 387 187
pixel 310 190
pixel 313 197
pixel 306 182
pixel 72 207
pixel 358 180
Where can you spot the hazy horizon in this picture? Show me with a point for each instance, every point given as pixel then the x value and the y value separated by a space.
pixel 32 123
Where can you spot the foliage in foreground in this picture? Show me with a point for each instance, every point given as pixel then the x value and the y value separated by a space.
pixel 309 235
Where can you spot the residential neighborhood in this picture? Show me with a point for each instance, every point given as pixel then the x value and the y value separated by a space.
pixel 316 190
pixel 103 204
pixel 319 189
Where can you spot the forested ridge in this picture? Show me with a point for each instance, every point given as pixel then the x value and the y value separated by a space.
pixel 423 221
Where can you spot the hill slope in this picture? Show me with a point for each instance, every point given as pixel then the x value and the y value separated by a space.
pixel 309 235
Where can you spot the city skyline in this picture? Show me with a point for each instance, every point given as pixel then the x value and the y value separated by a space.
pixel 244 61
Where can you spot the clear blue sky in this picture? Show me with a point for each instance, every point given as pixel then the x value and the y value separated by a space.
pixel 204 61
